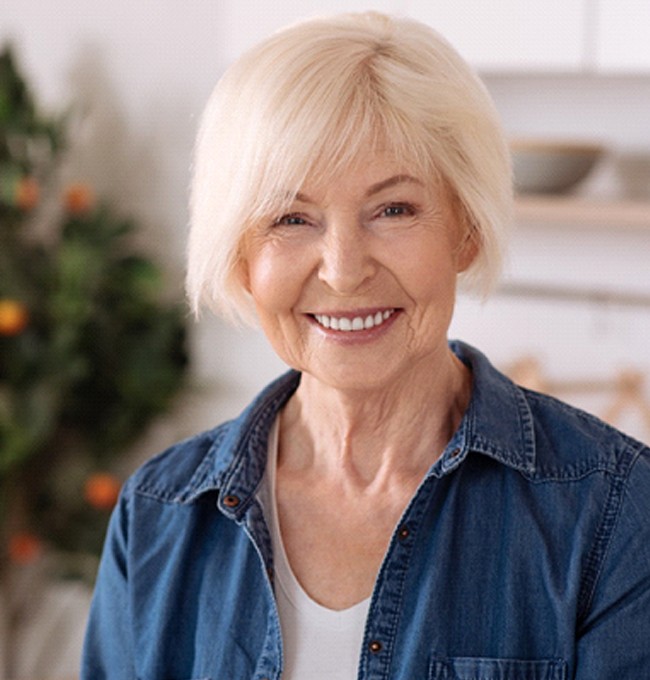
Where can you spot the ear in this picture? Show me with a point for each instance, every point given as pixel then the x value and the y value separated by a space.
pixel 468 249
pixel 241 269
pixel 242 272
pixel 468 237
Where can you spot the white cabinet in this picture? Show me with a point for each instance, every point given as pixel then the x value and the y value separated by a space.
pixel 510 35
pixel 601 36
pixel 622 41
pixel 243 23
pixel 525 36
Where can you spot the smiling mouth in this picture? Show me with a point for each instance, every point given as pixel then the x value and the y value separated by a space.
pixel 356 323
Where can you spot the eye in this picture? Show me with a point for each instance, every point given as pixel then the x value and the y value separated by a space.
pixel 290 220
pixel 397 210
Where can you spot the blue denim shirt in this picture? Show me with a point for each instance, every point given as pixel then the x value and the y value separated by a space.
pixel 524 555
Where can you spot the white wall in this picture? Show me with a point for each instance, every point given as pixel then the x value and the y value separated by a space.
pixel 141 70
pixel 575 341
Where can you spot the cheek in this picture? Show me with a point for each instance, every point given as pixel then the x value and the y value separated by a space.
pixel 272 280
pixel 275 284
pixel 429 271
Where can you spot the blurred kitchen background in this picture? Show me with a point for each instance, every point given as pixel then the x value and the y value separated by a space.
pixel 573 313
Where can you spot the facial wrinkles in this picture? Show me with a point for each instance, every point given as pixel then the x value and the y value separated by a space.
pixel 439 220
pixel 431 216
pixel 413 272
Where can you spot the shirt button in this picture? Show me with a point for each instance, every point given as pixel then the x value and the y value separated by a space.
pixel 231 501
pixel 455 452
pixel 404 532
pixel 375 646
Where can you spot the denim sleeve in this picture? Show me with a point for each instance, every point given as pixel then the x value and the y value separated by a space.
pixel 614 638
pixel 108 648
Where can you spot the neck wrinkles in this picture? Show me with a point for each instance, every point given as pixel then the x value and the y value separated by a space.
pixel 370 435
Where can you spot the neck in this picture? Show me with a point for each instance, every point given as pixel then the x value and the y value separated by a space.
pixel 369 435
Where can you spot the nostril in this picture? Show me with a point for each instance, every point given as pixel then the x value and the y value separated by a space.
pixel 344 270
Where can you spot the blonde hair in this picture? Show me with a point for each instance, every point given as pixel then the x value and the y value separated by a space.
pixel 310 100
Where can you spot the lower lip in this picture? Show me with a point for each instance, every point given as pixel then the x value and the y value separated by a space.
pixel 355 337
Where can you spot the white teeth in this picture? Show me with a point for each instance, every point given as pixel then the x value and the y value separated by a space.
pixel 357 323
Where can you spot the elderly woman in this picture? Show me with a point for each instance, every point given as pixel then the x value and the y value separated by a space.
pixel 393 507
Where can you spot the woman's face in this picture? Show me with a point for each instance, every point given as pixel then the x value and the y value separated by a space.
pixel 355 283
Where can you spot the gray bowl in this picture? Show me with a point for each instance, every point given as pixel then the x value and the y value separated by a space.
pixel 545 167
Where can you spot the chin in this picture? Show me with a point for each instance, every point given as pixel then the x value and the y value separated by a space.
pixel 360 377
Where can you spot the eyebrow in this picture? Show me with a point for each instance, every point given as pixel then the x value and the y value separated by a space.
pixel 390 182
pixel 375 188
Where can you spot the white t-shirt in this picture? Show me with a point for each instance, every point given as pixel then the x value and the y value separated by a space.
pixel 319 643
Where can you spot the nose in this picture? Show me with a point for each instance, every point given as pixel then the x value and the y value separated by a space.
pixel 346 261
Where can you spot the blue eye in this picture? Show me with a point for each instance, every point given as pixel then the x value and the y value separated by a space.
pixel 292 219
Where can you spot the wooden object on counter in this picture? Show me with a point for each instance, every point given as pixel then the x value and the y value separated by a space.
pixel 629 394
pixel 581 212
pixel 627 388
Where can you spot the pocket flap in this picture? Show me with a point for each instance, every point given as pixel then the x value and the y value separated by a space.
pixel 474 668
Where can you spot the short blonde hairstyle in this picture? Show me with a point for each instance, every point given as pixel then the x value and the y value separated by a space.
pixel 310 100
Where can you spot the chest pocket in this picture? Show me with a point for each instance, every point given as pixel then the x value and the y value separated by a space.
pixel 473 668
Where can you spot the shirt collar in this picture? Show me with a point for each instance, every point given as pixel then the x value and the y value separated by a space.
pixel 235 463
pixel 497 423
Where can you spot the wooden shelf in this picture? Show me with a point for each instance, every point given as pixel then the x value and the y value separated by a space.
pixel 581 212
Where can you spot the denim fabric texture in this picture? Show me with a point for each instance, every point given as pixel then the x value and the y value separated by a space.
pixel 523 555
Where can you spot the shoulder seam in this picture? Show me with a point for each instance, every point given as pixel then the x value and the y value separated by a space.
pixel 604 534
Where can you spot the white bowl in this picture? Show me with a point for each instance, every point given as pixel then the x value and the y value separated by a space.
pixel 549 167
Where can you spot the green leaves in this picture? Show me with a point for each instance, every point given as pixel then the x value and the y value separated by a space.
pixel 90 352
